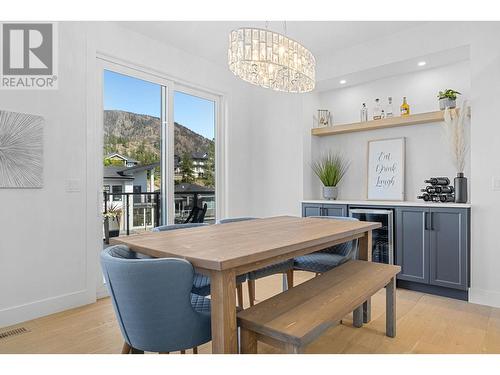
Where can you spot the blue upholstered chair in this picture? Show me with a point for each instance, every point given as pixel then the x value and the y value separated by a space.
pixel 331 257
pixel 201 283
pixel 153 302
pixel 285 267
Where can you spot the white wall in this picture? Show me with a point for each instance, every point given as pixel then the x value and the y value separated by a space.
pixel 50 238
pixel 427 151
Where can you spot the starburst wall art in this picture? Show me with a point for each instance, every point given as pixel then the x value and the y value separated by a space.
pixel 21 150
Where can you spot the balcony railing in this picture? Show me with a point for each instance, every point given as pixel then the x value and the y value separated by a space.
pixel 135 212
pixel 139 212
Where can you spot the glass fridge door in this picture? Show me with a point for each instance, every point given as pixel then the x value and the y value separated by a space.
pixel 382 238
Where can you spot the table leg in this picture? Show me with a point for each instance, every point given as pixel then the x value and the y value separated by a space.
pixel 223 299
pixel 365 253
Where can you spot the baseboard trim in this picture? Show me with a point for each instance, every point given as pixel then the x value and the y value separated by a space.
pixel 433 289
pixel 484 297
pixel 21 313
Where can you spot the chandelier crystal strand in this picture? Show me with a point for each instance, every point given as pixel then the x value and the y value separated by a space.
pixel 271 60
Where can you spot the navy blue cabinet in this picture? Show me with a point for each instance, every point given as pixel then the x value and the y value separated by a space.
pixel 412 244
pixel 448 245
pixel 432 246
pixel 318 209
pixel 311 209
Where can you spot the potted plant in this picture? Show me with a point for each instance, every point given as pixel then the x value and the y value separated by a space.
pixel 112 220
pixel 448 99
pixel 330 169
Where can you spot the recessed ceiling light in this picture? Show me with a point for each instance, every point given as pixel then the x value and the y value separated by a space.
pixel 421 63
pixel 343 82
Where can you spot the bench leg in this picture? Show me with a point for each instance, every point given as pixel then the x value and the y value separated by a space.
pixel 390 308
pixel 357 317
pixel 367 311
pixel 248 341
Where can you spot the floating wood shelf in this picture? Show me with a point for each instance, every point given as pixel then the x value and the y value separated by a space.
pixel 420 118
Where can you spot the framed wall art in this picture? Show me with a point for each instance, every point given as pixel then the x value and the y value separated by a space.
pixel 386 169
pixel 21 150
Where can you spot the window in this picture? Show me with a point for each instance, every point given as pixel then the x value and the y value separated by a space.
pixel 194 144
pixel 117 190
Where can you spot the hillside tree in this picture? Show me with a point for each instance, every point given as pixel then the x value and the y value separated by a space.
pixel 186 168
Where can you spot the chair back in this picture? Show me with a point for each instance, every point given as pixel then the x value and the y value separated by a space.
pixel 346 249
pixel 236 219
pixel 152 301
pixel 163 228
pixel 197 214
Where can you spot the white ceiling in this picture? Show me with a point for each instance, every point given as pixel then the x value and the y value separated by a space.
pixel 209 39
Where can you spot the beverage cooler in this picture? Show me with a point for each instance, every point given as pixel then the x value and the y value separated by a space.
pixel 383 237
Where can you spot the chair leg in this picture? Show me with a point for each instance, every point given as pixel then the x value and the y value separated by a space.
pixel 293 349
pixel 195 350
pixel 251 292
pixel 126 348
pixel 183 352
pixel 239 290
pixel 289 278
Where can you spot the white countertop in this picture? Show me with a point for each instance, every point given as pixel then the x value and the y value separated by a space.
pixel 389 203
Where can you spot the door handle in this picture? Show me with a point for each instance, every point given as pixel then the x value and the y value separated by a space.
pixel 426 215
pixel 431 221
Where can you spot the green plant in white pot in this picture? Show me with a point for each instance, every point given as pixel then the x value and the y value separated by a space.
pixel 330 169
pixel 448 99
pixel 112 220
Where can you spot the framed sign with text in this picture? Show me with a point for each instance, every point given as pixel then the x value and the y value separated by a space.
pixel 386 169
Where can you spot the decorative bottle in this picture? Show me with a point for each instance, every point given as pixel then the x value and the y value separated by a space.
pixel 388 110
pixel 364 113
pixel 377 111
pixel 405 107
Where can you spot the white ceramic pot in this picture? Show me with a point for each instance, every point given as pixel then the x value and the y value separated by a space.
pixel 330 192
pixel 447 103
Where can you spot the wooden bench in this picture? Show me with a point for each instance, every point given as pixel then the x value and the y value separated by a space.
pixel 293 319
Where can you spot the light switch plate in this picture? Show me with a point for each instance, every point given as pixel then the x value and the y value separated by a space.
pixel 496 183
pixel 73 186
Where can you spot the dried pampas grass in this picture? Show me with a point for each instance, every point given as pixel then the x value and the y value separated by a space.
pixel 454 128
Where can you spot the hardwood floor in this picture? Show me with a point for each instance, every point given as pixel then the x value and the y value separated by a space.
pixel 426 324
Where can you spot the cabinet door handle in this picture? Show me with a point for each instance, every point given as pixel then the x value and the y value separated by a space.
pixel 432 221
pixel 426 226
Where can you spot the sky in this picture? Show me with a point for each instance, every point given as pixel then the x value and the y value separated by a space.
pixel 130 94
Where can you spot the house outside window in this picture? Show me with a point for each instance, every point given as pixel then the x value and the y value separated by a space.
pixel 117 189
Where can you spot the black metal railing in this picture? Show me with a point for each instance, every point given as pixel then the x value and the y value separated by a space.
pixel 137 212
pixel 144 205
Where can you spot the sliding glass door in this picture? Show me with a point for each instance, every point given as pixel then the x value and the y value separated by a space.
pixel 131 153
pixel 159 151
pixel 194 157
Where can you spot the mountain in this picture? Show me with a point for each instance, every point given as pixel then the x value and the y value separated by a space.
pixel 138 136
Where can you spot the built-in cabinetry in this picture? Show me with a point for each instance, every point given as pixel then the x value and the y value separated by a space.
pixel 322 209
pixel 431 245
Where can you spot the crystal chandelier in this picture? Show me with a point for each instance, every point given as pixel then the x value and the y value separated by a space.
pixel 271 60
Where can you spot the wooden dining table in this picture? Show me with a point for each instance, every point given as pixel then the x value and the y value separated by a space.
pixel 225 251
